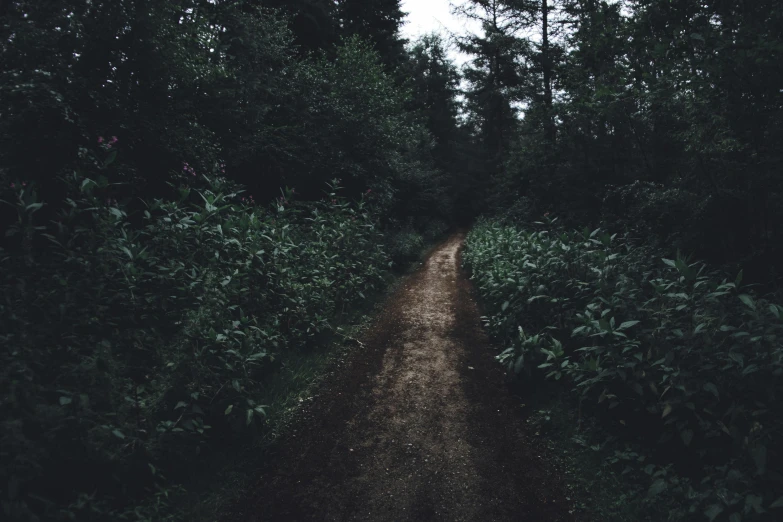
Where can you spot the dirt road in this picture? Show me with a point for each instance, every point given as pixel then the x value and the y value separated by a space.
pixel 417 426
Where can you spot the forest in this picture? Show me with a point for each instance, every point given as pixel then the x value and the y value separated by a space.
pixel 205 203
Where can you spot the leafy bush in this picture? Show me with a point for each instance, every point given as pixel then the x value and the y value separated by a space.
pixel 670 352
pixel 134 339
pixel 405 246
pixel 434 230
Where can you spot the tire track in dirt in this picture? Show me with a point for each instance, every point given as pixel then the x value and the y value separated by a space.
pixel 418 426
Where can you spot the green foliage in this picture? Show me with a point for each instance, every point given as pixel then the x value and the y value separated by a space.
pixel 356 129
pixel 190 80
pixel 137 337
pixel 405 247
pixel 377 22
pixel 145 301
pixel 670 353
pixel 676 99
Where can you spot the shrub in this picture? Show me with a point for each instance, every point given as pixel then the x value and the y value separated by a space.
pixel 130 337
pixel 670 351
pixel 434 230
pixel 405 246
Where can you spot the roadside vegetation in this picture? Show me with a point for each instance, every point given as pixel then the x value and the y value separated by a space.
pixel 678 360
pixel 199 199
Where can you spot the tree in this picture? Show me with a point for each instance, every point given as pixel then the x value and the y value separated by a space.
pixel 434 81
pixel 378 22
pixel 313 23
pixel 493 75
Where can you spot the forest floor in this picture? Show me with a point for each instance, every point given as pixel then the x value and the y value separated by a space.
pixel 417 425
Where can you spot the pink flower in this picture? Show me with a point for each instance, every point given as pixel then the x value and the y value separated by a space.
pixel 546 215
pixel 114 140
pixel 24 183
pixel 13 185
pixel 100 139
pixel 368 191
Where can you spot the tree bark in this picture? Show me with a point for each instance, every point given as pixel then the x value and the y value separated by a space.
pixel 546 62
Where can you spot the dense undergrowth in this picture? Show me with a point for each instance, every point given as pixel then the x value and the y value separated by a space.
pixel 140 336
pixel 677 360
pixel 155 317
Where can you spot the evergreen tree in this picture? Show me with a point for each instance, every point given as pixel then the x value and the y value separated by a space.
pixel 493 75
pixel 313 23
pixel 434 80
pixel 435 83
pixel 379 22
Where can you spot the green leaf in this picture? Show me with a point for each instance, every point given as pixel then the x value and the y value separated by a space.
pixel 110 159
pixel 687 437
pixel 760 458
pixel 628 324
pixel 712 389
pixel 65 401
pixel 754 502
pixel 118 434
pixel 228 410
pixel 669 262
pixel 748 300
pixel 505 305
pixel 713 511
pixel 738 281
pixel 658 487
pixel 87 184
pixel 777 504
pixel 249 416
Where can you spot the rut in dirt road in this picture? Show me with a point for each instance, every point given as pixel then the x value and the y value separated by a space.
pixel 418 426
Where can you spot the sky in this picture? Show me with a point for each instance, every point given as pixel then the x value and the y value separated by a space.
pixel 427 16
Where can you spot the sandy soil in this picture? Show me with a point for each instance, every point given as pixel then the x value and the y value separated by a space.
pixel 417 426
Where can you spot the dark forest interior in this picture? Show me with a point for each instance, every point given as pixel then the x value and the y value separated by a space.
pixel 198 195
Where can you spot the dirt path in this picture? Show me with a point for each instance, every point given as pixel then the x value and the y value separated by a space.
pixel 419 426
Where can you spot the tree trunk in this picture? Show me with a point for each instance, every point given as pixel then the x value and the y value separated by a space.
pixel 546 62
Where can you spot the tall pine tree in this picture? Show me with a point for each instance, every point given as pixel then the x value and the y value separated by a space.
pixel 493 75
pixel 379 22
